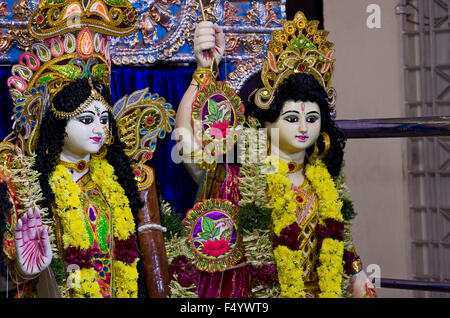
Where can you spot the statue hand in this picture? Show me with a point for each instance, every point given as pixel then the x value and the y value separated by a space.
pixel 362 287
pixel 208 36
pixel 34 253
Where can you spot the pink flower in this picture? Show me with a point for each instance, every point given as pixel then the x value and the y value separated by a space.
pixel 215 248
pixel 219 130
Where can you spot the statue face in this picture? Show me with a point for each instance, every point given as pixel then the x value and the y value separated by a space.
pixel 85 133
pixel 298 126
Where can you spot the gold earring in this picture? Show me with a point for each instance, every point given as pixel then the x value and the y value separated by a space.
pixel 109 137
pixel 315 155
pixel 101 153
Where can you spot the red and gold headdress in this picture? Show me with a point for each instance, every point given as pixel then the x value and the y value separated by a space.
pixel 74 43
pixel 298 48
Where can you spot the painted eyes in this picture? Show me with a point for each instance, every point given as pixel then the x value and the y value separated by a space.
pixel 104 120
pixel 87 120
pixel 291 119
pixel 312 119
pixel 309 119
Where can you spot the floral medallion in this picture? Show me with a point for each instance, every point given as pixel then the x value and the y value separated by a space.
pixel 217 114
pixel 213 236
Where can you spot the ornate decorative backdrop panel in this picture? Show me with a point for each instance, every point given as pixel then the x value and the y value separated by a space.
pixel 165 30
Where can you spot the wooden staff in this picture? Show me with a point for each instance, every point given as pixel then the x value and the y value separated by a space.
pixel 152 246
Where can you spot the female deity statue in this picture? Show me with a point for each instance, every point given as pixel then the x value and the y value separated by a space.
pixel 94 231
pixel 295 213
pixel 89 190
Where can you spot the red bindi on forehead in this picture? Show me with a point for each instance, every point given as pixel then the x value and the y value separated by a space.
pixel 97 110
pixel 303 106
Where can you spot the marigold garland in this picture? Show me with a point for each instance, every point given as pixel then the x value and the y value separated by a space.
pixel 331 268
pixel 281 199
pixel 330 205
pixel 75 234
pixel 126 279
pixel 288 267
pixel 83 283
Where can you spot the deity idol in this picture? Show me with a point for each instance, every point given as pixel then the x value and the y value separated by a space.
pixel 294 211
pixel 92 229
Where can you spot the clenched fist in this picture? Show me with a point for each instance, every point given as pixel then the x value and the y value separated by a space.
pixel 208 37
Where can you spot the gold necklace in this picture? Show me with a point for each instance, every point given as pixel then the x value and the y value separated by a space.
pixel 294 167
pixel 79 166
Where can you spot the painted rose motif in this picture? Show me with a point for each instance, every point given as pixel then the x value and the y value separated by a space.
pixel 218 118
pixel 215 248
pixel 213 237
pixel 219 130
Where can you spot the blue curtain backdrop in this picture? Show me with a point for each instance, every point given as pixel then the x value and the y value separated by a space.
pixel 174 183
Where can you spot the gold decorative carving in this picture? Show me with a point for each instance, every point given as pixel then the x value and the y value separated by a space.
pixel 230 15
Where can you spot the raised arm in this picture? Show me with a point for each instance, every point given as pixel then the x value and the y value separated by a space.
pixel 209 38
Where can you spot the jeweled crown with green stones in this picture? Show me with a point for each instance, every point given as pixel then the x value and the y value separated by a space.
pixel 298 48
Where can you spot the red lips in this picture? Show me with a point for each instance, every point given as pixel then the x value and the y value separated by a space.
pixel 302 138
pixel 96 139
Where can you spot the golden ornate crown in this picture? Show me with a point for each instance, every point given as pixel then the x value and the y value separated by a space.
pixel 298 48
pixel 74 44
pixel 56 17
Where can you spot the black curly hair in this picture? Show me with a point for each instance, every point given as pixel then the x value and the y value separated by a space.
pixel 305 87
pixel 52 132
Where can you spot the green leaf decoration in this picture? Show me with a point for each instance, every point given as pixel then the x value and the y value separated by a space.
pixel 103 233
pixel 99 70
pixel 54 1
pixel 69 71
pixel 253 218
pixel 220 116
pixel 226 235
pixel 59 270
pixel 213 107
pixel 207 225
pixel 348 210
pixel 89 231
pixel 228 117
pixel 211 118
pixel 215 232
pixel 204 235
pixel 45 79
pixel 116 2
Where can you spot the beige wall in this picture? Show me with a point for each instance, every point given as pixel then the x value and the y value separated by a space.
pixel 369 84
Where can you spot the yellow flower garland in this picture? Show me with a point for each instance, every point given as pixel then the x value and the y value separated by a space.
pixel 75 234
pixel 281 200
pixel 288 267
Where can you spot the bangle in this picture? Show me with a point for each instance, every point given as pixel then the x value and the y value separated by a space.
pixel 370 292
pixel 202 76
pixel 195 155
pixel 20 274
pixel 356 266
pixel 151 226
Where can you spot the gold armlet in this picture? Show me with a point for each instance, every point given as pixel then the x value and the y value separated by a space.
pixel 356 266
pixel 202 76
pixel 195 155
